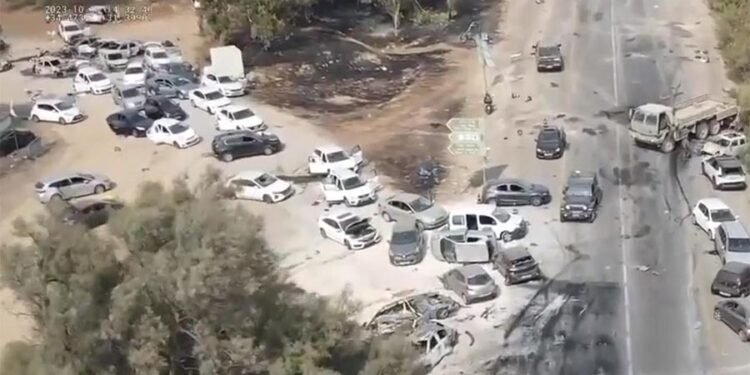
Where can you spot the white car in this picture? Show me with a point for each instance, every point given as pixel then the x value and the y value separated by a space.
pixel 709 213
pixel 68 30
pixel 86 46
pixel 505 225
pixel 155 56
pixel 727 143
pixel 724 172
pixel 128 48
pixel 207 99
pixel 227 85
pixel 96 14
pixel 90 79
pixel 56 110
pixel 331 157
pixel 134 74
pixel 345 186
pixel 348 229
pixel 172 132
pixel 259 186
pixel 238 117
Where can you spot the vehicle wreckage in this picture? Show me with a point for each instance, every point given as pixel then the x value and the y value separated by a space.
pixel 407 312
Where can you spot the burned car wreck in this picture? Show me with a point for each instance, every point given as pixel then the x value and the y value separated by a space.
pixel 409 311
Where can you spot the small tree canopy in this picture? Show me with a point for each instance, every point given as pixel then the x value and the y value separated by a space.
pixel 196 292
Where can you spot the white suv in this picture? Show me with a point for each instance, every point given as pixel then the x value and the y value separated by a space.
pixel 724 172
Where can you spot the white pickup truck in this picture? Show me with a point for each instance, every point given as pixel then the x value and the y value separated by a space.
pixel 344 185
pixel 331 157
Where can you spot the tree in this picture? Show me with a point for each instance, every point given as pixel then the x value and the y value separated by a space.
pixel 395 9
pixel 194 290
pixel 266 17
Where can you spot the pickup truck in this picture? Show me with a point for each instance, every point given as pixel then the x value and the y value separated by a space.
pixel 344 185
pixel 331 157
pixel 663 126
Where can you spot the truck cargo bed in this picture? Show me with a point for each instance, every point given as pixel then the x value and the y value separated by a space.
pixel 702 108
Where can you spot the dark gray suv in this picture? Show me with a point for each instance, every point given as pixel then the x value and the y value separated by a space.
pixel 549 56
pixel 581 197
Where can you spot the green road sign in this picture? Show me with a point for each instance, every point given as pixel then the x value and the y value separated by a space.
pixel 467 136
pixel 458 124
pixel 466 149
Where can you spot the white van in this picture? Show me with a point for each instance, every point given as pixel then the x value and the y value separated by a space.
pixel 505 225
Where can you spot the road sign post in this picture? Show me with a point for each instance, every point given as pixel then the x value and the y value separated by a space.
pixel 467 138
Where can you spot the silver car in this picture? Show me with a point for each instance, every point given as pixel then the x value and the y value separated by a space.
pixel 407 244
pixel 471 282
pixel 128 97
pixel 170 85
pixel 71 185
pixel 413 207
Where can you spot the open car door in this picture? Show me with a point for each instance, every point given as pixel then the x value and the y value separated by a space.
pixel 357 155
pixel 331 192
pixel 477 248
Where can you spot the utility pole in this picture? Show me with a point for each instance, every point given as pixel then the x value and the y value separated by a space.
pixel 485 59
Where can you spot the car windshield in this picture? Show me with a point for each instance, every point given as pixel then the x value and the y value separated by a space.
pixel 225 79
pixel 243 114
pixel 265 180
pixel 723 142
pixel 352 183
pixel 54 62
pixel 131 92
pixel 548 51
pixel 578 197
pixel 337 156
pixel 480 279
pixel 64 106
pixel 739 245
pixel 159 55
pixel 181 82
pixel 722 215
pixel 71 28
pixel 134 70
pixel 214 95
pixel 420 204
pixel 548 135
pixel 97 77
pixel 734 170
pixel 404 238
pixel 501 215
pixel 114 56
pixel 177 128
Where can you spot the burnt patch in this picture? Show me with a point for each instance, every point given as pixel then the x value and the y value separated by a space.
pixel 641 174
pixel 493 172
pixel 589 131
pixel 573 119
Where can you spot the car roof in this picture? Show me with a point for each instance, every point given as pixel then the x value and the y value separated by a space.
pixel 744 302
pixel 60 176
pixel 168 76
pixel 581 178
pixel 134 64
pixel 123 86
pixel 404 197
pixel 735 229
pixel 235 133
pixel 479 208
pixel 89 70
pixel 516 252
pixel 508 180
pixel 248 175
pixel 736 268
pixel 234 108
pixel 50 101
pixel 206 90
pixel 67 23
pixel 713 203
pixel 727 161
pixel 327 149
pixel 155 48
pixel 470 270
pixel 405 226
pixel 344 173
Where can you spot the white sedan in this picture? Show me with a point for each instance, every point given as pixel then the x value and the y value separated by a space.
pixel 348 229
pixel 208 99
pixel 172 132
pixel 134 75
pixel 238 117
pixel 709 213
pixel 227 85
pixel 56 110
pixel 259 186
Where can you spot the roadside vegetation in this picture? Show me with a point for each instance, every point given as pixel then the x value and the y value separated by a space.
pixel 179 282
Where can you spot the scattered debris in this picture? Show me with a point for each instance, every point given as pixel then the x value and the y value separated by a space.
pixel 555 85
pixel 528 99
pixel 513 95
pixel 516 56
pixel 701 56
pixel 471 337
pixel 643 268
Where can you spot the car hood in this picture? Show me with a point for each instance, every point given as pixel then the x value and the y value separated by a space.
pixel 432 214
pixel 365 189
pixel 358 226
pixel 134 102
pixel 118 62
pixel 220 102
pixel 102 83
pixel 711 148
pixel 732 256
pixel 231 86
pixel 515 221
pixel 188 87
pixel 548 145
pixel 85 48
pixel 186 135
pixel 279 186
pixel 71 112
pixel 348 163
pixel 403 249
pixel 249 122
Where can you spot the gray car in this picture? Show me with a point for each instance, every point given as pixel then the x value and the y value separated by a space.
pixel 732 242
pixel 407 244
pixel 413 207
pixel 128 97
pixel 514 192
pixel 549 56
pixel 71 185
pixel 471 282
pixel 170 85
pixel 735 313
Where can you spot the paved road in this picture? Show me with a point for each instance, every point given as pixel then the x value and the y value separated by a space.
pixel 616 319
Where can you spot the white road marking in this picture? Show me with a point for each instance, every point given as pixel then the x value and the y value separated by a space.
pixel 620 190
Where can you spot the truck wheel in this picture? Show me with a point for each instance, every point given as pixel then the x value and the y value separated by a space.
pixel 701 131
pixel 668 145
pixel 714 127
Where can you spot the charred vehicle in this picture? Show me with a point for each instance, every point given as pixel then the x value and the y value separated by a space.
pixel 408 311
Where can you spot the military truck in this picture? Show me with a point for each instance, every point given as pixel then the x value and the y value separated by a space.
pixel 581 197
pixel 663 126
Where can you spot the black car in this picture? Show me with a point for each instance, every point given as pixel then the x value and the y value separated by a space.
pixel 550 143
pixel 236 144
pixel 549 56
pixel 129 122
pixel 157 107
pixel 514 192
pixel 732 280
pixel 90 212
pixel 581 197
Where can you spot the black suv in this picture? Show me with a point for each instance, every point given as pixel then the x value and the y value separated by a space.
pixel 548 56
pixel 157 107
pixel 581 197
pixel 237 144
pixel 550 143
